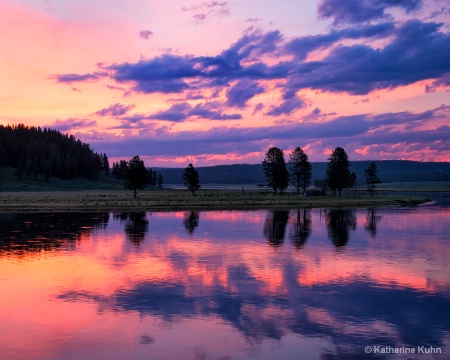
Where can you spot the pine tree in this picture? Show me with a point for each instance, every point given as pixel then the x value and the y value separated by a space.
pixel 191 179
pixel 300 170
pixel 275 170
pixel 136 175
pixel 338 175
pixel 371 177
pixel 105 164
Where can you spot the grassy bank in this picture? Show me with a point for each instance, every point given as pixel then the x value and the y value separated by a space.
pixel 121 200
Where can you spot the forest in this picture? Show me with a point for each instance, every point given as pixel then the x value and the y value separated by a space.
pixel 34 151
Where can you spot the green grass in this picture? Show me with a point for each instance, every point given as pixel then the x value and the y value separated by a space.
pixel 122 200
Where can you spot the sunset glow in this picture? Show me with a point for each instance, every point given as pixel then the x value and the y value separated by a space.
pixel 214 82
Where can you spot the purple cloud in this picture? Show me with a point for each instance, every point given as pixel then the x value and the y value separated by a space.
pixel 211 110
pixel 69 78
pixel 145 34
pixel 177 112
pixel 418 52
pixel 208 10
pixel 259 107
pixel 287 107
pixel 352 131
pixel 71 123
pixel 115 110
pixel 301 47
pixel 415 51
pixel 243 91
pixel 357 11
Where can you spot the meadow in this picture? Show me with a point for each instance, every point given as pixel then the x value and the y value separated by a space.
pixel 122 200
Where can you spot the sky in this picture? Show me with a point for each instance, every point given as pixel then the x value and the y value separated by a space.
pixel 220 82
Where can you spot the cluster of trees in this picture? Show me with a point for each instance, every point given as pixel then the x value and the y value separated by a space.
pixel 34 151
pixel 135 174
pixel 119 170
pixel 298 172
pixel 278 175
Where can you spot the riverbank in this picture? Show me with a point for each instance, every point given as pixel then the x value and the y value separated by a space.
pixel 171 200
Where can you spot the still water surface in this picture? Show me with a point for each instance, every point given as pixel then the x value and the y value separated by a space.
pixel 299 284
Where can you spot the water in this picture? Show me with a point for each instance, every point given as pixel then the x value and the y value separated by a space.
pixel 299 284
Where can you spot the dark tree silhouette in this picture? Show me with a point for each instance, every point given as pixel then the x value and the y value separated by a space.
pixel 24 233
pixel 160 181
pixel 32 147
pixel 339 221
pixel 301 228
pixel 119 169
pixel 300 170
pixel 136 227
pixel 105 163
pixel 191 179
pixel 338 175
pixel 19 169
pixel 274 166
pixel 47 170
pixel 371 177
pixel 136 175
pixel 372 220
pixel 191 220
pixel 275 226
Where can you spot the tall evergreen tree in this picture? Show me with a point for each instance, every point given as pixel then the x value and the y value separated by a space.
pixel 275 170
pixel 371 177
pixel 136 175
pixel 105 164
pixel 338 175
pixel 160 181
pixel 300 170
pixel 191 179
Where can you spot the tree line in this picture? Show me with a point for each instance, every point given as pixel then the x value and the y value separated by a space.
pixel 298 172
pixel 388 170
pixel 34 151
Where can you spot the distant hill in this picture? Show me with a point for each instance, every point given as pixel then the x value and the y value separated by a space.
pixel 388 171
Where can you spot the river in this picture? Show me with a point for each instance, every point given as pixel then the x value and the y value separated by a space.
pixel 266 284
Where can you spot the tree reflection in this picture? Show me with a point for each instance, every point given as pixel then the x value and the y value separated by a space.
pixel 136 225
pixel 23 233
pixel 372 220
pixel 191 220
pixel 339 222
pixel 275 226
pixel 301 228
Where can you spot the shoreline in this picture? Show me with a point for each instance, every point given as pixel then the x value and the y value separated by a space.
pixel 177 200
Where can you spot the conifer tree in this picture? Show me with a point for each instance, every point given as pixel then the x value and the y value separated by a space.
pixel 136 175
pixel 371 177
pixel 275 170
pixel 300 170
pixel 191 179
pixel 338 175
